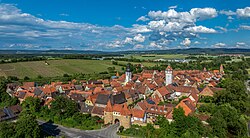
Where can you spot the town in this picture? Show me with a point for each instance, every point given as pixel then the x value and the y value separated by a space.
pixel 129 98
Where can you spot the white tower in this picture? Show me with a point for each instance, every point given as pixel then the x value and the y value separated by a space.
pixel 128 74
pixel 169 75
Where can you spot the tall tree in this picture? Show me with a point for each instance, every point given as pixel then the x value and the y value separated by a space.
pixel 27 126
pixel 7 130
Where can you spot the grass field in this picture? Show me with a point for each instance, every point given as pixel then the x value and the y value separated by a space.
pixel 148 64
pixel 156 56
pixel 55 67
pixel 58 67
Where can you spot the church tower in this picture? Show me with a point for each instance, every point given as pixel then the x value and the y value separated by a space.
pixel 169 75
pixel 204 69
pixel 221 69
pixel 128 74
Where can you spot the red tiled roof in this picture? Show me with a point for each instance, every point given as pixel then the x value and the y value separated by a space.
pixel 187 105
pixel 169 68
pixel 108 108
pixel 163 91
pixel 184 89
pixel 137 113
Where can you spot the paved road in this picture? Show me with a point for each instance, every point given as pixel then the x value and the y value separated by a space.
pixel 58 130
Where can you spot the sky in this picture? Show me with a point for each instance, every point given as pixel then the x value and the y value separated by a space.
pixel 117 25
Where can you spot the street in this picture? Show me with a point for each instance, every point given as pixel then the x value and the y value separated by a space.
pixel 58 130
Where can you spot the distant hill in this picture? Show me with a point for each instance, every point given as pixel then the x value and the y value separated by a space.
pixel 170 51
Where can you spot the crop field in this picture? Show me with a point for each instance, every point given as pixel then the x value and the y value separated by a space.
pixel 58 67
pixel 55 67
pixel 156 56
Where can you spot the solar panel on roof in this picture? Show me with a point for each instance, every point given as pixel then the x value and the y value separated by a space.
pixel 150 101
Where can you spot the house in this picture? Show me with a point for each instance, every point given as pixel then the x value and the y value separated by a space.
pixel 163 93
pixel 138 116
pixel 10 112
pixel 187 105
pixel 100 104
pixel 85 108
pixel 209 91
pixel 180 91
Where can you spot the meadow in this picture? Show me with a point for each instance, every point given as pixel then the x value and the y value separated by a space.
pixel 55 67
pixel 59 67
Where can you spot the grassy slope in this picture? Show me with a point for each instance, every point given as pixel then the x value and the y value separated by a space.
pixel 56 67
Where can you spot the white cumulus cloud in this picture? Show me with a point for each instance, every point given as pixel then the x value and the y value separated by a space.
pixel 219 45
pixel 186 42
pixel 200 29
pixel 203 13
pixel 245 13
pixel 139 38
pixel 142 18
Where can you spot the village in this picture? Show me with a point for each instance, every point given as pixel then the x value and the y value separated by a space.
pixel 129 98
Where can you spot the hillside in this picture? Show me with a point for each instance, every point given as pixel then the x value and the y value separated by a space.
pixel 55 68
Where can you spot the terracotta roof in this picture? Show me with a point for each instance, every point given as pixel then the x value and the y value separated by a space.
pixel 98 89
pixel 138 113
pixel 147 75
pixel 195 97
pixel 108 108
pixel 27 85
pixel 169 68
pixel 184 89
pixel 187 105
pixel 163 91
pixel 121 108
pixel 125 111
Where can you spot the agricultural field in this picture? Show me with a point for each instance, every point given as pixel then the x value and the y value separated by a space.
pixel 147 64
pixel 55 67
pixel 58 67
pixel 156 56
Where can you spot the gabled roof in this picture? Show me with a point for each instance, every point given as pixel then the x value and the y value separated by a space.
pixel 109 107
pixel 78 87
pixel 21 94
pixel 137 113
pixel 163 91
pixel 84 108
pixel 98 110
pixel 27 85
pixel 184 89
pixel 77 97
pixel 187 105
pixel 169 68
pixel 118 98
pixel 102 99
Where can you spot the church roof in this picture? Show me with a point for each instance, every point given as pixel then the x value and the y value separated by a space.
pixel 169 68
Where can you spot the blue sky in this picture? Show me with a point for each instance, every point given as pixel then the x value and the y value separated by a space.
pixel 112 25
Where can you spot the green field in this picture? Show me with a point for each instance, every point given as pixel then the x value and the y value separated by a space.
pixel 147 64
pixel 156 56
pixel 55 67
pixel 58 67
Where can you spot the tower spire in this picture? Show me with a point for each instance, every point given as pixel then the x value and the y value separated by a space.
pixel 169 75
pixel 128 74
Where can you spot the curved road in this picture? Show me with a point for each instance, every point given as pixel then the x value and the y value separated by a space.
pixel 58 130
